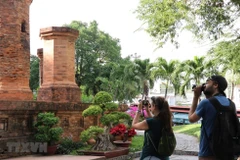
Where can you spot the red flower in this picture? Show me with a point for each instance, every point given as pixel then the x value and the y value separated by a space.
pixel 131 132
pixel 118 130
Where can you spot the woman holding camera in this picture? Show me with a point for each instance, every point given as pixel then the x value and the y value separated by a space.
pixel 162 118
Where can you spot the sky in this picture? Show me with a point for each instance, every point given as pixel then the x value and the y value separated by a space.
pixel 115 17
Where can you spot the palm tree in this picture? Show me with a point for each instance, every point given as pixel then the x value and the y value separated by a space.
pixel 194 71
pixel 227 54
pixel 168 71
pixel 139 72
pixel 124 87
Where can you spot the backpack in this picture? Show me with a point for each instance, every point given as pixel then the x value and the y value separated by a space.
pixel 224 141
pixel 166 145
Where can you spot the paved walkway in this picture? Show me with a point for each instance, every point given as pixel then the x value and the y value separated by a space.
pixel 186 149
pixel 183 157
pixel 68 157
pixel 186 144
pixel 56 157
pixel 179 157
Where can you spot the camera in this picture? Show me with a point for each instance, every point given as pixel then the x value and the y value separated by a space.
pixel 202 88
pixel 145 102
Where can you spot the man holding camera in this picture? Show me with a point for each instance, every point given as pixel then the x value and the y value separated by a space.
pixel 215 86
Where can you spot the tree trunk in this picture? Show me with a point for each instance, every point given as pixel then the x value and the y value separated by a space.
pixel 103 142
pixel 232 90
pixel 166 90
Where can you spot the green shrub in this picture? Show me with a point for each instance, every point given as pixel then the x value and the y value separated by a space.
pixel 67 146
pixel 111 106
pixel 85 136
pixel 102 97
pixel 116 118
pixel 102 108
pixel 92 110
pixel 91 132
pixel 46 129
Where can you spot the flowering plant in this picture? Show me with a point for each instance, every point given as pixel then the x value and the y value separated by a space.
pixel 133 109
pixel 120 129
pixel 131 132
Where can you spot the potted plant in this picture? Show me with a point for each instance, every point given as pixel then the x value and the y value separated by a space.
pixel 131 133
pixel 47 131
pixel 105 109
pixel 118 131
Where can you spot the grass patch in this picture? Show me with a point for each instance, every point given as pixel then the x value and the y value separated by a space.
pixel 190 129
pixel 137 143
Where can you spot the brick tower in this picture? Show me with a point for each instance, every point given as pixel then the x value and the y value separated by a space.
pixel 14 50
pixel 58 65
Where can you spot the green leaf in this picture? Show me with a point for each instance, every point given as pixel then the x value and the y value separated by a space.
pixel 92 110
pixel 91 132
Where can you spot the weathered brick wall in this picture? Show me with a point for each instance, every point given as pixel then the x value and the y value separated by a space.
pixel 14 50
pixel 17 119
pixel 20 116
